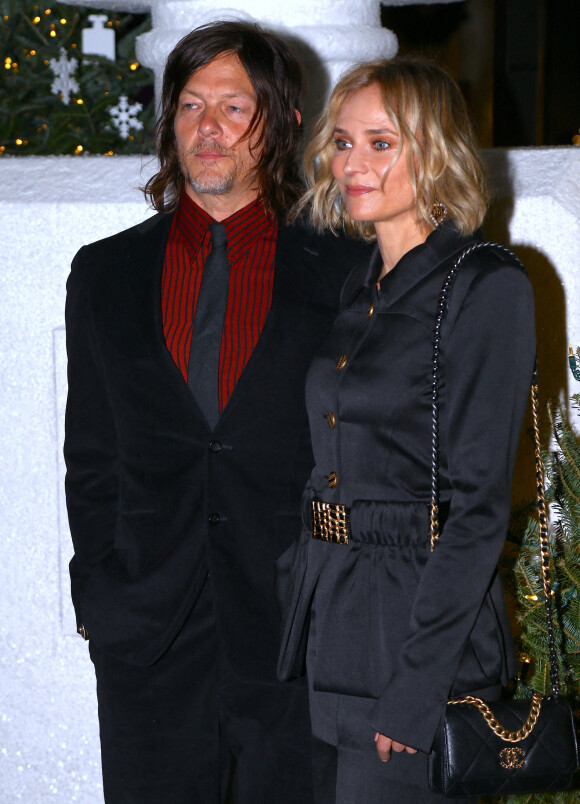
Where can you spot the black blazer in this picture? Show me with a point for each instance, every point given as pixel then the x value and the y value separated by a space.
pixel 155 498
pixel 395 621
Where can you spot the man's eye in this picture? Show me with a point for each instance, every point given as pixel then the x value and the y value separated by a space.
pixel 341 145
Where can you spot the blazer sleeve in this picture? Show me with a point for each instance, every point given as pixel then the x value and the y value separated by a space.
pixel 90 444
pixel 487 366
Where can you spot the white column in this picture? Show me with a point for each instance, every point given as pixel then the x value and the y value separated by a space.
pixel 329 35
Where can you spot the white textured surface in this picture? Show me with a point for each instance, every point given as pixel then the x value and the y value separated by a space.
pixel 261 7
pixel 48 209
pixel 75 179
pixel 166 11
pixel 177 13
pixel 538 213
pixel 129 6
pixel 48 723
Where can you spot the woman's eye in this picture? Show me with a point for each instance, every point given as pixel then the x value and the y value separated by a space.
pixel 341 145
pixel 381 145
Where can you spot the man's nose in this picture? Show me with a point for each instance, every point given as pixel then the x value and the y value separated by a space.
pixel 208 124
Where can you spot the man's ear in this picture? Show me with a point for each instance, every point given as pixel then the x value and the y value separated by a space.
pixel 298 116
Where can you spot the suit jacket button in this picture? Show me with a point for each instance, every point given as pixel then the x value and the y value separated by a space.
pixel 83 631
pixel 331 419
pixel 341 362
pixel 215 446
pixel 332 479
pixel 371 311
pixel 213 519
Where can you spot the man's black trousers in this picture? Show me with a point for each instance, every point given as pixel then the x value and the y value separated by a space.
pixel 187 731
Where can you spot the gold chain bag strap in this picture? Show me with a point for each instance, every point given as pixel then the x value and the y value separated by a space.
pixel 507 747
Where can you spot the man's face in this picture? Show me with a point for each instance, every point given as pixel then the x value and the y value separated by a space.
pixel 214 111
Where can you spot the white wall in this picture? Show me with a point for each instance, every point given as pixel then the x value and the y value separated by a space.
pixel 49 207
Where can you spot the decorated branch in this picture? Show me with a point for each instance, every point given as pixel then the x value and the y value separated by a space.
pixel 70 82
pixel 522 574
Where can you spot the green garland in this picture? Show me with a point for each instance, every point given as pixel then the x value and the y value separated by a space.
pixel 33 120
pixel 522 575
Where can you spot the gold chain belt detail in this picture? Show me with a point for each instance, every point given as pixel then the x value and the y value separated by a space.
pixel 330 522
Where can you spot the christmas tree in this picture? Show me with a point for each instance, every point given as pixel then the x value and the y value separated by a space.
pixel 523 578
pixel 57 99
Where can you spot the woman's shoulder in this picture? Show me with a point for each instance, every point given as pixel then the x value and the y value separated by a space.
pixel 487 267
pixel 494 268
pixel 473 251
pixel 491 287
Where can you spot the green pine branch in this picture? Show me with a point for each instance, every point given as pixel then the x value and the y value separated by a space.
pixel 521 571
pixel 33 120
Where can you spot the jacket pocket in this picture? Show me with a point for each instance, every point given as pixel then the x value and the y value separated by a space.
pixel 139 541
pixel 362 607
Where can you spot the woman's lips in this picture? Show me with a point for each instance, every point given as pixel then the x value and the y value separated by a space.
pixel 357 189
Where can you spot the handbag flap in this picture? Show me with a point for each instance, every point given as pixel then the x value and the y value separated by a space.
pixel 468 758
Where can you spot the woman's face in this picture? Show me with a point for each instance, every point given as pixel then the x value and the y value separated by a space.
pixel 365 142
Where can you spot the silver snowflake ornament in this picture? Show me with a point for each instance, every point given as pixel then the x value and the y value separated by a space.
pixel 64 83
pixel 124 116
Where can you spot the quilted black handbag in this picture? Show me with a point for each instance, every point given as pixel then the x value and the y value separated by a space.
pixel 506 747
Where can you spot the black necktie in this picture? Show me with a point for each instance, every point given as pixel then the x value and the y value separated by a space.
pixel 208 323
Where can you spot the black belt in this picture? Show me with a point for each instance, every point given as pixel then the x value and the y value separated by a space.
pixel 330 521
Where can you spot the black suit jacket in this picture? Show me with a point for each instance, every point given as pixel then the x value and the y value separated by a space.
pixel 155 498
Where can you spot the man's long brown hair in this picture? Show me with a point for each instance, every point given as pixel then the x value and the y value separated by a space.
pixel 276 76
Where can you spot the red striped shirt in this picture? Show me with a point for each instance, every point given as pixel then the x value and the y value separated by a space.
pixel 251 234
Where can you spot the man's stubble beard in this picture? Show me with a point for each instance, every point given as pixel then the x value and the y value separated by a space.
pixel 207 182
pixel 211 185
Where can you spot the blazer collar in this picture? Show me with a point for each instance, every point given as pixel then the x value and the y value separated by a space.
pixel 145 260
pixel 146 257
pixel 417 264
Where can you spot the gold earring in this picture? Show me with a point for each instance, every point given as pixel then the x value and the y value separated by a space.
pixel 438 213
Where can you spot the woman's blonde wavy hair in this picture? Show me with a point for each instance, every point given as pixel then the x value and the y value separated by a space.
pixel 429 112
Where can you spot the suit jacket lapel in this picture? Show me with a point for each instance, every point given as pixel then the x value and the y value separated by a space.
pixel 144 273
pixel 295 272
